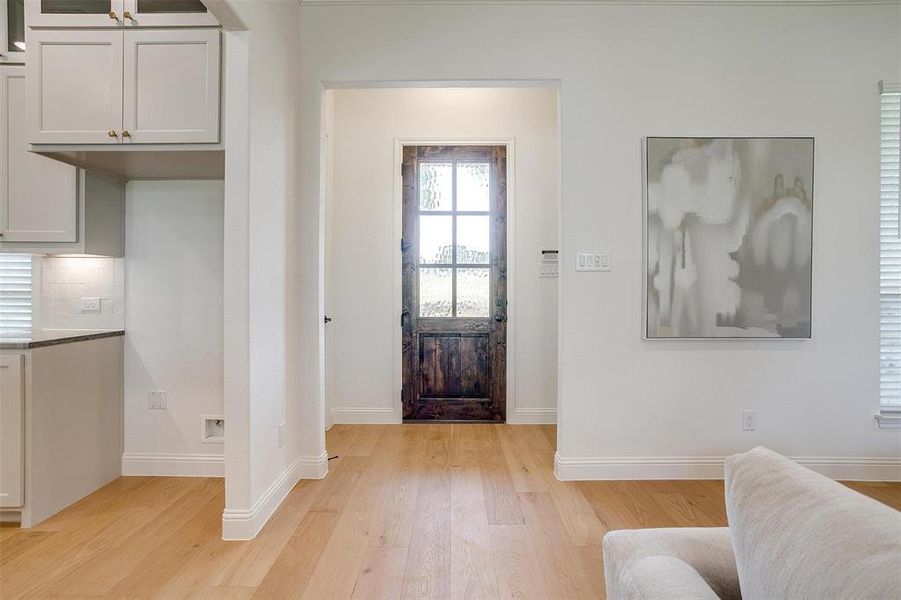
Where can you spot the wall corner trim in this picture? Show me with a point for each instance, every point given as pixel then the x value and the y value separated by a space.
pixel 313 467
pixel 711 467
pixel 245 524
pixel 173 465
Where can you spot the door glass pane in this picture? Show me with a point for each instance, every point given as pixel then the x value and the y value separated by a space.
pixel 171 6
pixel 472 186
pixel 472 292
pixel 435 239
pixel 15 11
pixel 75 7
pixel 436 186
pixel 472 240
pixel 435 292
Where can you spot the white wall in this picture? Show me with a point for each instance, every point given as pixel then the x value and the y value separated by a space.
pixel 174 325
pixel 271 353
pixel 631 71
pixel 364 239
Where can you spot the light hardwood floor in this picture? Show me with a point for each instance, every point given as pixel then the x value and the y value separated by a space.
pixel 427 511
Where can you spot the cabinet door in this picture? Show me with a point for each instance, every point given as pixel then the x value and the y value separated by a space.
pixel 12 399
pixel 171 86
pixel 38 195
pixel 74 80
pixel 75 13
pixel 167 13
pixel 12 31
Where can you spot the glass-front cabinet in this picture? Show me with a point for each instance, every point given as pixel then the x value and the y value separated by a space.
pixel 12 31
pixel 118 13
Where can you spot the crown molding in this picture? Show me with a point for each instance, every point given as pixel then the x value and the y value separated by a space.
pixel 606 2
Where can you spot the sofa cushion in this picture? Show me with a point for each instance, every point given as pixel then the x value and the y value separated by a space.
pixel 798 534
pixel 706 552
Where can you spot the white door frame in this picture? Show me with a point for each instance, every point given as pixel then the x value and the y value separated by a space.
pixel 510 144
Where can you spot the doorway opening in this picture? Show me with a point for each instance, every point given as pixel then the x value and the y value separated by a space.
pixel 454 257
pixel 365 131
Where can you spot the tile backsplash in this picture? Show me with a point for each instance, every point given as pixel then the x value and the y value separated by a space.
pixel 70 287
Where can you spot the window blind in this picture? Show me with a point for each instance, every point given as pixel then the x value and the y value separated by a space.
pixel 15 291
pixel 890 250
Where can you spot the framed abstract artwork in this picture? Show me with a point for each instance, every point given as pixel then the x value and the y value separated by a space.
pixel 728 226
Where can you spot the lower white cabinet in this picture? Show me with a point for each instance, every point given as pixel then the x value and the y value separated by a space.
pixel 12 427
pixel 60 424
pixel 38 195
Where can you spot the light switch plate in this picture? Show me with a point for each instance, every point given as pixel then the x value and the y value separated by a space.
pixel 593 261
pixel 548 269
pixel 90 305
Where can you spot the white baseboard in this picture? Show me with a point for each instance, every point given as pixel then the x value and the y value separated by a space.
pixel 245 524
pixel 364 416
pixel 174 465
pixel 533 416
pixel 313 467
pixel 702 467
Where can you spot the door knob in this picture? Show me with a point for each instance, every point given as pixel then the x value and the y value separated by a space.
pixel 327 319
pixel 112 133
pixel 113 15
pixel 127 15
pixel 125 133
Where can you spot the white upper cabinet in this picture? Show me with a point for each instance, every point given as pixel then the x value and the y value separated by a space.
pixel 74 13
pixel 167 13
pixel 74 80
pixel 119 13
pixel 164 104
pixel 132 86
pixel 12 31
pixel 38 195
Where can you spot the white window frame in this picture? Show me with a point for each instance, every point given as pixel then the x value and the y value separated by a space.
pixel 890 244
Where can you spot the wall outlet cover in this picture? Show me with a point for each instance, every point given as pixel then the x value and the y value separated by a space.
pixel 749 420
pixel 90 305
pixel 157 399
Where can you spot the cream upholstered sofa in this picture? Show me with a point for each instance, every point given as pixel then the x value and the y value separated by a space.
pixel 793 534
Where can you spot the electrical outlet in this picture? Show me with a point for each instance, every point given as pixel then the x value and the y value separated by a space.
pixel 749 420
pixel 157 399
pixel 90 305
pixel 282 435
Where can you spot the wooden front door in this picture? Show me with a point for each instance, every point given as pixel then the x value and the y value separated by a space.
pixel 454 315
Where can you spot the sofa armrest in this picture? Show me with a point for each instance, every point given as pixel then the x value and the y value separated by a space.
pixel 665 578
pixel 706 550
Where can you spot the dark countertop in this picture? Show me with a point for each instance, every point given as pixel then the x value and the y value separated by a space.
pixel 27 339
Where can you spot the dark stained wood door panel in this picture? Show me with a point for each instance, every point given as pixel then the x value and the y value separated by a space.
pixel 454 315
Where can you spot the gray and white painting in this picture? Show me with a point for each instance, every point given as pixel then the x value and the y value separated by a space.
pixel 729 236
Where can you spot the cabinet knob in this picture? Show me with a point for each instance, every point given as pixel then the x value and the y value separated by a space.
pixel 127 15
pixel 113 15
pixel 112 133
pixel 125 133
